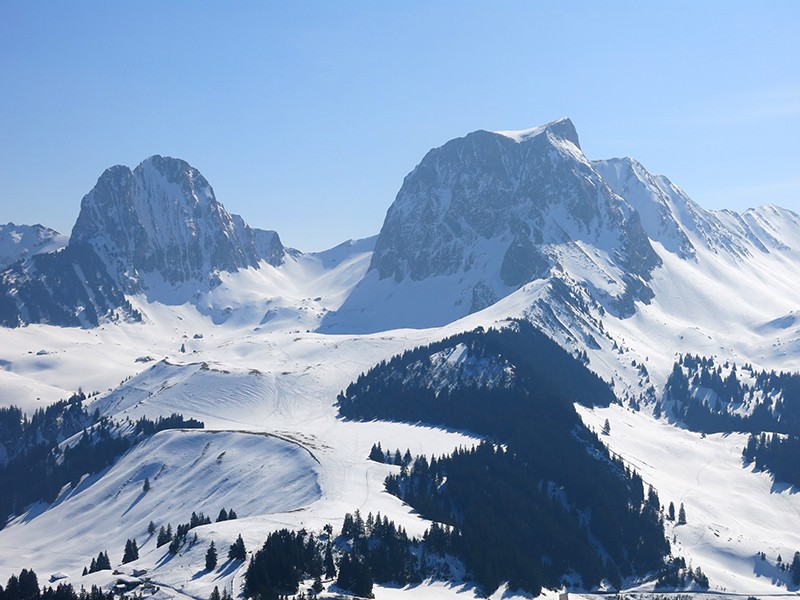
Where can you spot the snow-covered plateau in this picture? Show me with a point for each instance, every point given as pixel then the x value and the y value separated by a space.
pixel 616 265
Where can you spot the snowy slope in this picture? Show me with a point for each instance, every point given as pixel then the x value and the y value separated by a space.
pixel 732 513
pixel 188 471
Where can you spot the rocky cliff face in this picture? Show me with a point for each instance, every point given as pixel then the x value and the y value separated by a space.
pixel 162 218
pixel 495 211
pixel 158 226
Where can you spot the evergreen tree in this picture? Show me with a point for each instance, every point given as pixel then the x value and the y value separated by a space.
pixel 12 587
pixel 606 428
pixel 671 512
pixel 151 528
pixel 354 575
pixel 131 552
pixel 146 485
pixel 796 569
pixel 231 515
pixel 223 515
pixel 376 453
pixel 211 557
pixel 103 562
pixel 164 536
pixel 327 563
pixel 28 585
pixel 237 550
pixel 682 515
pixel 214 594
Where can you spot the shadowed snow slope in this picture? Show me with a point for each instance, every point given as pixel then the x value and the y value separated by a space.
pixel 188 471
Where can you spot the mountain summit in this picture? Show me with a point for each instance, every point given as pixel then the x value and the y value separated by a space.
pixel 162 218
pixel 487 213
pixel 156 227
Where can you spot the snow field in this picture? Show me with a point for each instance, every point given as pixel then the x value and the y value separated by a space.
pixel 732 513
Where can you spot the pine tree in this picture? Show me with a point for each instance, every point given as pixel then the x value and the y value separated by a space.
pixel 131 552
pixel 222 516
pixel 103 562
pixel 146 485
pixel 163 537
pixel 682 515
pixel 327 563
pixel 211 558
pixel 231 515
pixel 151 528
pixel 214 594
pixel 606 428
pixel 237 550
pixel 376 453
pixel 671 512
pixel 12 587
pixel 28 585
pixel 796 569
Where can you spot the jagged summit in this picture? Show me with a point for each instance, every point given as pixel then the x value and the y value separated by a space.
pixel 491 212
pixel 162 218
pixel 562 128
pixel 154 229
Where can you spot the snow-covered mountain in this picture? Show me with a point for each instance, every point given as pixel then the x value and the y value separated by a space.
pixel 162 219
pixel 186 308
pixel 18 242
pixel 157 229
pixel 487 213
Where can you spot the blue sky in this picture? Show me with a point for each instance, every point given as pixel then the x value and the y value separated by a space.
pixel 306 116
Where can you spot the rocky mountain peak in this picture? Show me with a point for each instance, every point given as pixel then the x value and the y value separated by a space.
pixel 162 219
pixel 157 229
pixel 562 129
pixel 493 211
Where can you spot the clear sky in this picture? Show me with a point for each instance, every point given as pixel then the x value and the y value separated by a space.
pixel 305 116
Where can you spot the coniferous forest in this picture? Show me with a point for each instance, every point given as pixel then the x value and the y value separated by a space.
pixel 712 398
pixel 543 499
pixel 35 446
